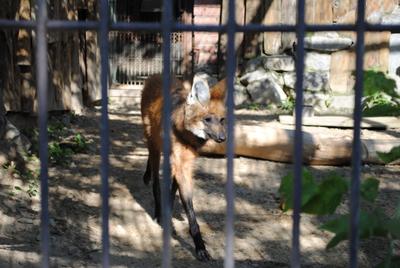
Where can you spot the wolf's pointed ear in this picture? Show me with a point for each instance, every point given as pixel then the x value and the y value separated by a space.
pixel 218 91
pixel 200 93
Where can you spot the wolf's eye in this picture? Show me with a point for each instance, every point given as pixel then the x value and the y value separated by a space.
pixel 222 120
pixel 207 119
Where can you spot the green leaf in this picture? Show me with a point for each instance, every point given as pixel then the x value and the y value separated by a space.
pixel 18 188
pixel 370 224
pixel 376 81
pixel 328 197
pixel 369 189
pixel 340 227
pixel 391 156
pixel 309 189
pixel 382 109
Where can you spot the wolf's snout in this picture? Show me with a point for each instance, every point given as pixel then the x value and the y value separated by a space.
pixel 221 137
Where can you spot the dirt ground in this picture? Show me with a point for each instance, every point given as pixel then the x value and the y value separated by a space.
pixel 262 231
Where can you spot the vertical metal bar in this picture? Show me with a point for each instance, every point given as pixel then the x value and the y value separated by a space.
pixel 42 87
pixel 356 155
pixel 167 21
pixel 230 187
pixel 104 131
pixel 298 144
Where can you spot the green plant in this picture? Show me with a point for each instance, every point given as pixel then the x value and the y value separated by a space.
pixel 32 178
pixel 380 96
pixel 56 130
pixel 256 106
pixel 391 156
pixel 288 105
pixel 80 143
pixel 324 197
pixel 28 176
pixel 58 154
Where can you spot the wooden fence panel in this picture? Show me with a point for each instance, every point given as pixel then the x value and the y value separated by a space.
pixel 319 12
pixel 272 42
pixel 288 16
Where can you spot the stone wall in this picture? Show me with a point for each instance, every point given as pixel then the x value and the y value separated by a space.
pixel 329 61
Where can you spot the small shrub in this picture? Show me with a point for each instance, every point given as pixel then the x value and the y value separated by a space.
pixel 380 96
pixel 288 105
pixel 323 199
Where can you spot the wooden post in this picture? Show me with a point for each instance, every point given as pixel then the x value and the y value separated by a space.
pixel 240 13
pixel 188 61
pixel 24 63
pixel 75 74
pixel 92 57
pixel 254 13
pixel 319 11
pixel 289 13
pixel 272 40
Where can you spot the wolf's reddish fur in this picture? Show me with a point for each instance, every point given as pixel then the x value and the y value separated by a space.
pixel 197 115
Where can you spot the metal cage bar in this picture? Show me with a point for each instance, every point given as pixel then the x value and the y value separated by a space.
pixel 42 25
pixel 298 144
pixel 104 131
pixel 356 154
pixel 166 123
pixel 42 88
pixel 230 144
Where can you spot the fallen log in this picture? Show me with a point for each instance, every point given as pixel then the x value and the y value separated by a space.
pixel 276 144
pixel 383 122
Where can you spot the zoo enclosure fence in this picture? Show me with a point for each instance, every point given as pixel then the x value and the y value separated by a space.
pixel 167 26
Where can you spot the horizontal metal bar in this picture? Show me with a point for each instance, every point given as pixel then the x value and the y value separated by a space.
pixel 141 26
pixel 136 26
pixel 17 24
pixel 72 25
pixel 394 28
pixel 200 28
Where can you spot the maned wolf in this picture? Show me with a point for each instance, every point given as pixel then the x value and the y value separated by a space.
pixel 198 114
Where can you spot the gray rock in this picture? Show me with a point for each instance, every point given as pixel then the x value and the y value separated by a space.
pixel 241 95
pixel 254 64
pixel 252 76
pixel 14 136
pixel 315 61
pixel 375 17
pixel 268 90
pixel 259 75
pixel 279 63
pixel 313 81
pixel 393 18
pixel 319 101
pixel 394 43
pixel 341 105
pixel 394 54
pixel 327 43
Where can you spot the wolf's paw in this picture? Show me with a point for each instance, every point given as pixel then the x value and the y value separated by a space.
pixel 203 255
